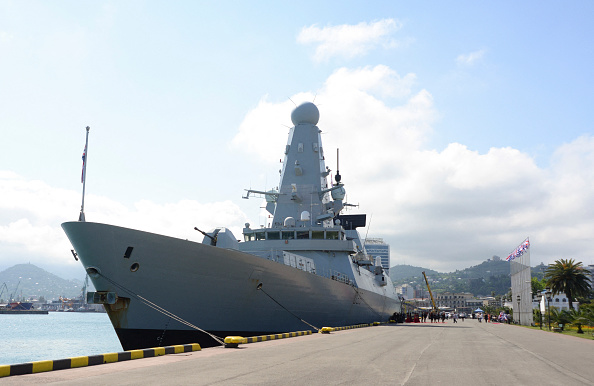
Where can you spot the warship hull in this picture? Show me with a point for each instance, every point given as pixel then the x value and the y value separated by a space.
pixel 161 283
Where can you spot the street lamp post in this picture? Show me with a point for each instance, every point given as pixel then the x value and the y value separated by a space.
pixel 548 293
pixel 519 312
pixel 539 310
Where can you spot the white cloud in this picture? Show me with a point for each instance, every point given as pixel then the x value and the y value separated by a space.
pixel 449 208
pixel 380 81
pixel 440 208
pixel 5 37
pixel 349 41
pixel 470 58
pixel 31 213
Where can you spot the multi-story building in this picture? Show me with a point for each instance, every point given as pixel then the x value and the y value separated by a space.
pixel 406 290
pixel 377 247
pixel 454 301
pixel 474 304
pixel 590 269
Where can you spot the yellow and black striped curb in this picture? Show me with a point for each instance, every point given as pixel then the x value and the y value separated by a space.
pixel 61 364
pixel 327 330
pixel 234 341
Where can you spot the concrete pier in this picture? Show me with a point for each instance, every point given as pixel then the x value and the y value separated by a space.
pixel 464 353
pixel 24 312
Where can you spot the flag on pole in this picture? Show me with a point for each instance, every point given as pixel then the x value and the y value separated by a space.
pixel 519 251
pixel 82 175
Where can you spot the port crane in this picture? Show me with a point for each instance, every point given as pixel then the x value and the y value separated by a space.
pixel 15 291
pixel 2 288
pixel 430 294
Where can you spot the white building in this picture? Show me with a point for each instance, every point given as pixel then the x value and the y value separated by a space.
pixel 407 291
pixel 560 301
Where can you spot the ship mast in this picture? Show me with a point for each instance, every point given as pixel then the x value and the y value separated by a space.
pixel 85 157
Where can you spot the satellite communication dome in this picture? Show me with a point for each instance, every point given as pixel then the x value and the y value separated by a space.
pixel 306 113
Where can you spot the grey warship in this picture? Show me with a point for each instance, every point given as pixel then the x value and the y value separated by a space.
pixel 305 270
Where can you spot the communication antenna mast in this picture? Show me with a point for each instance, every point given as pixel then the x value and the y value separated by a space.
pixel 368 226
pixel 81 217
pixel 338 177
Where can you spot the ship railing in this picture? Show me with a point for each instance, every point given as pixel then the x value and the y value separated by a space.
pixel 338 276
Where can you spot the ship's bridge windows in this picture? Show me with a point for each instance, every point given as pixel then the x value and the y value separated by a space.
pixel 249 237
pixel 317 235
pixel 273 235
pixel 302 235
pixel 332 235
pixel 288 235
pixel 260 236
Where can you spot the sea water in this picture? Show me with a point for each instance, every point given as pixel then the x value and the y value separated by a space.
pixel 57 335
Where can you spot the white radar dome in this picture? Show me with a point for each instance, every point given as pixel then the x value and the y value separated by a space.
pixel 306 113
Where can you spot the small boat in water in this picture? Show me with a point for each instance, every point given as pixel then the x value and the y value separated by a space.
pixel 20 306
pixel 307 269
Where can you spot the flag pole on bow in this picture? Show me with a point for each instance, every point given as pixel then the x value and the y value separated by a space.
pixel 83 177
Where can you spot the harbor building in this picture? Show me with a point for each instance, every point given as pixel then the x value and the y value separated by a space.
pixel 406 291
pixel 456 301
pixel 377 247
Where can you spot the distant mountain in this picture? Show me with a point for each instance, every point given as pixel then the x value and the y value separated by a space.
pixel 403 271
pixel 487 278
pixel 492 267
pixel 29 281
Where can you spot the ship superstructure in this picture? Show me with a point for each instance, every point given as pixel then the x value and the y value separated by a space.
pixel 306 269
pixel 307 230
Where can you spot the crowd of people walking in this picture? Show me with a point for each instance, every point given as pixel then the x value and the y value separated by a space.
pixel 442 316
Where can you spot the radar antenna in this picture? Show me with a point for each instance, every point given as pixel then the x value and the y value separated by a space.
pixel 338 177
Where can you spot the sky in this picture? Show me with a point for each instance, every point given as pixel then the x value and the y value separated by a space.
pixel 463 127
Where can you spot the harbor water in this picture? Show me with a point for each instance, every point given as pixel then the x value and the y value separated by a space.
pixel 57 335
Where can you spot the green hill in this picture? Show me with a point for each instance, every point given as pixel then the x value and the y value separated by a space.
pixel 403 271
pixel 26 281
pixel 487 278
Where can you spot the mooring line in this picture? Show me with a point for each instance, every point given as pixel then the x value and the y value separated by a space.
pixel 259 287
pixel 367 304
pixel 160 309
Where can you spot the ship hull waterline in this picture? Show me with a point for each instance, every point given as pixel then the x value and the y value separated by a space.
pixel 212 288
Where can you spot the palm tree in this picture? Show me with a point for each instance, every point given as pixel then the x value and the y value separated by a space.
pixel 578 319
pixel 561 317
pixel 568 277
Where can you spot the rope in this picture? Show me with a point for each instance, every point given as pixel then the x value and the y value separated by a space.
pixel 285 308
pixel 367 304
pixel 161 309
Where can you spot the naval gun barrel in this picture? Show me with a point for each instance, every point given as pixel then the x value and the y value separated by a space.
pixel 206 234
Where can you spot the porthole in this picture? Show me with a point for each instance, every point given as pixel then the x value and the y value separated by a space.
pixel 134 267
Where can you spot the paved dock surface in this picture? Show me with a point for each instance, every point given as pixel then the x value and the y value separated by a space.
pixel 464 353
